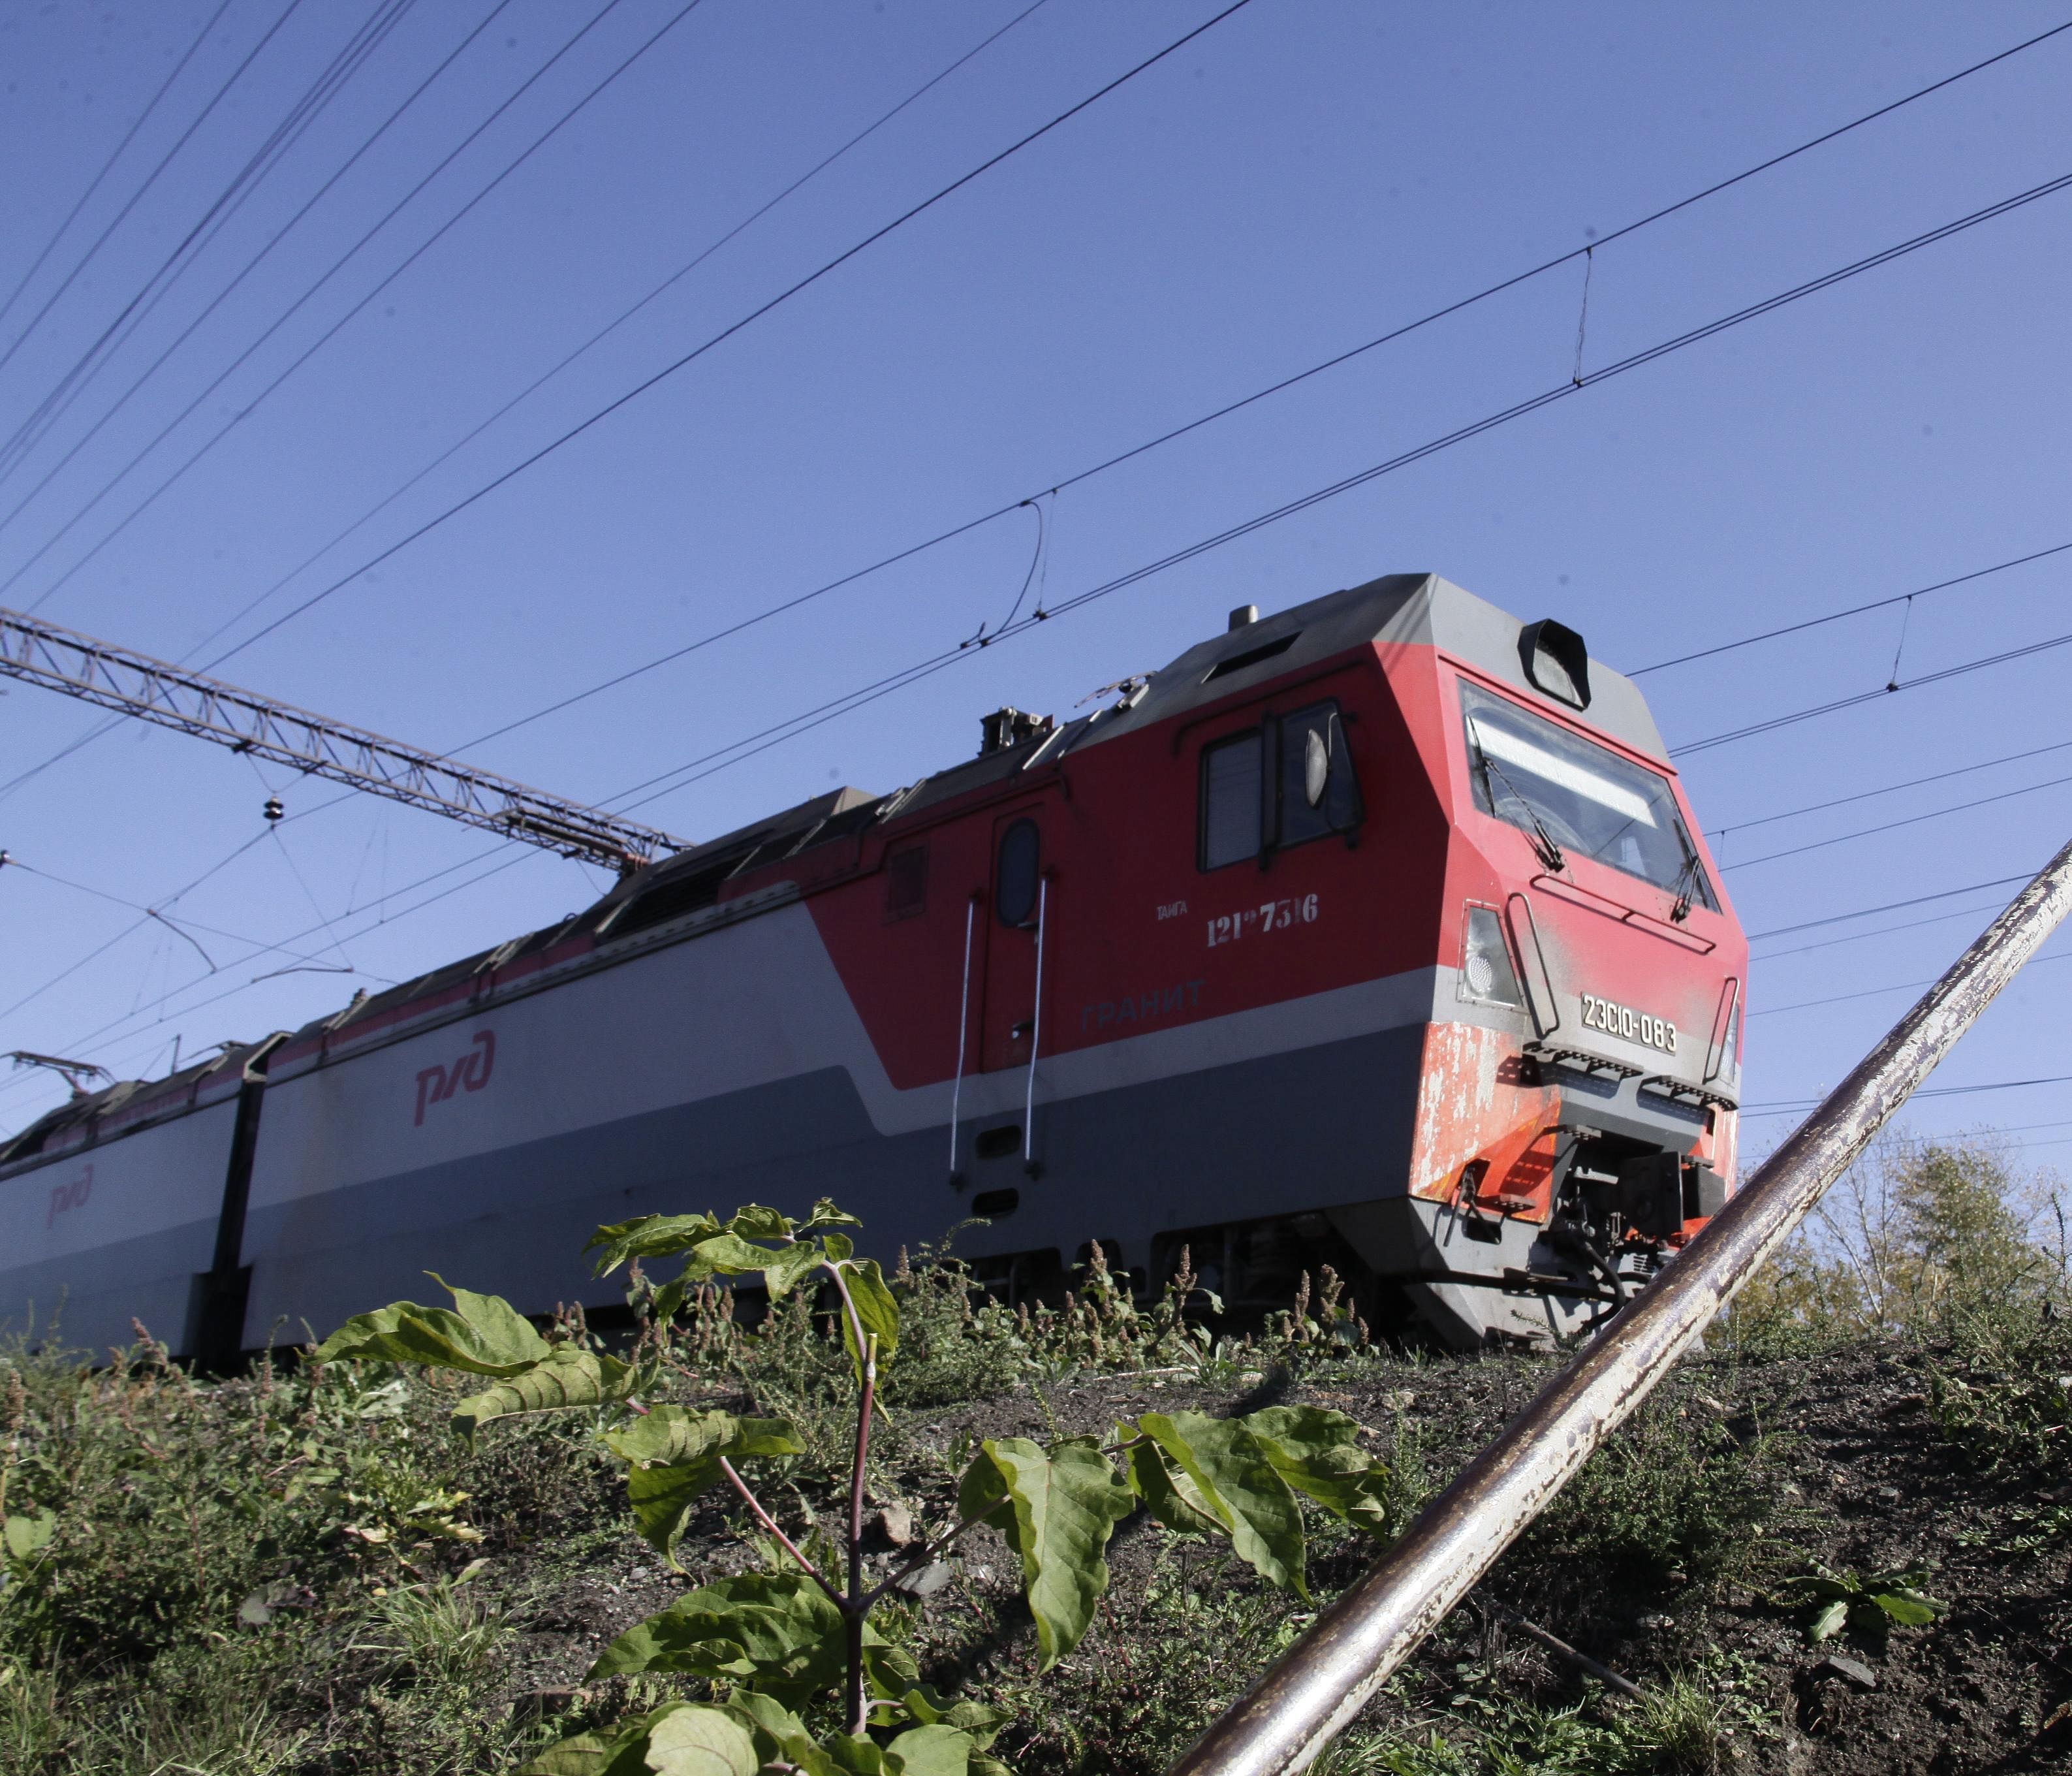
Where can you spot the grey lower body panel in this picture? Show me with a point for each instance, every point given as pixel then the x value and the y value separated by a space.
pixel 88 1300
pixel 1459 1263
pixel 1308 1129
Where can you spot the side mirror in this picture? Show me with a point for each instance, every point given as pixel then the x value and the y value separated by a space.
pixel 1317 763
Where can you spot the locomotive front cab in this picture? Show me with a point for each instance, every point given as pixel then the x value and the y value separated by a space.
pixel 1577 1106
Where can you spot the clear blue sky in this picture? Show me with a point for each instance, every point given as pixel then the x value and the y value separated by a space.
pixel 1301 178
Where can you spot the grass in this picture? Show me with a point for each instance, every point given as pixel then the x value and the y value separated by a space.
pixel 301 1571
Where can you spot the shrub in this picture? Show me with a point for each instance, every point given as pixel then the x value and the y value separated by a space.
pixel 1676 1498
pixel 793 1666
pixel 1927 1241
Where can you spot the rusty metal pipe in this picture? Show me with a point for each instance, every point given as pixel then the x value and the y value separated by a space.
pixel 1317 1687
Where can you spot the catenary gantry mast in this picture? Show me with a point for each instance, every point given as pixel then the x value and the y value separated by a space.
pixel 129 683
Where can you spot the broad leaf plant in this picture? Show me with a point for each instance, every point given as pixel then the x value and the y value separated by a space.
pixel 774 1648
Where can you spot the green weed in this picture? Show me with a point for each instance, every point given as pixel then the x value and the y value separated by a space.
pixel 1675 1498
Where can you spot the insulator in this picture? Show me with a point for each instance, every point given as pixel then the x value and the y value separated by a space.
pixel 274 810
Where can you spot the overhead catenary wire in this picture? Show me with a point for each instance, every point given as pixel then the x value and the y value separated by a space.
pixel 169 900
pixel 245 408
pixel 1873 992
pixel 755 314
pixel 1601 375
pixel 1878 931
pixel 497 865
pixel 111 723
pixel 1853 610
pixel 301 115
pixel 150 179
pixel 1799 1106
pixel 108 166
pixel 1773 723
pixel 618 321
pixel 272 241
pixel 1890 906
pixel 1112 462
pixel 626 315
pixel 696 769
pixel 1892 826
pixel 965 528
pixel 597 417
pixel 1886 789
pixel 139 906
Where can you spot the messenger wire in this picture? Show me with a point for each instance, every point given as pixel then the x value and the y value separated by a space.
pixel 301 115
pixel 108 166
pixel 694 770
pixel 151 179
pixel 272 241
pixel 245 409
pixel 1112 462
pixel 1401 331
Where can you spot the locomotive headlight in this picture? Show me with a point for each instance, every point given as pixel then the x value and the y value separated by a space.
pixel 1485 969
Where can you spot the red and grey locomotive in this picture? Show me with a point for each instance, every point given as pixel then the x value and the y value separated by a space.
pixel 1375 932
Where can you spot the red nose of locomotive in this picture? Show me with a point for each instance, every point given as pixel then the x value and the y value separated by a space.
pixel 1576 1119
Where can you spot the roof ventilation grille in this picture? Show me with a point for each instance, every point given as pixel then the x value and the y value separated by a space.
pixel 1237 663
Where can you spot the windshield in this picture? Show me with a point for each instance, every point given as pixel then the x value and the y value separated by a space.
pixel 1571 796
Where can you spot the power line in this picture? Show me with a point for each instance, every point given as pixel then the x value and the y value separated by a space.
pixel 1887 789
pixel 95 732
pixel 171 900
pixel 1890 826
pixel 1883 930
pixel 250 266
pixel 495 869
pixel 150 179
pixel 1874 992
pixel 611 326
pixel 108 166
pixel 1335 362
pixel 1791 1106
pixel 849 701
pixel 248 407
pixel 284 134
pixel 728 332
pixel 106 726
pixel 1891 906
pixel 152 912
pixel 1562 391
pixel 1084 474
pixel 1854 609
pixel 1797 715
pixel 640 388
pixel 925 667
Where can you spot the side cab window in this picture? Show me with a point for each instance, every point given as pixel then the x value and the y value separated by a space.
pixel 1283 782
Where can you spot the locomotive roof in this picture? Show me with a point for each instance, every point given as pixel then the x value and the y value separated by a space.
pixel 130 1103
pixel 1406 609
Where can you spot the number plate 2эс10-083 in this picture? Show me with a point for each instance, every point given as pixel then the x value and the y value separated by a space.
pixel 1623 1021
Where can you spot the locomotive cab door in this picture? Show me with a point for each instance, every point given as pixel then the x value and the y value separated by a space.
pixel 1008 1029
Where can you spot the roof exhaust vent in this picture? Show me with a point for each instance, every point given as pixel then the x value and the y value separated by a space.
pixel 1008 726
pixel 1244 616
pixel 1556 661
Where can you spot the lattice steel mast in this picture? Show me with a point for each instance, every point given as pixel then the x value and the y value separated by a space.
pixel 134 684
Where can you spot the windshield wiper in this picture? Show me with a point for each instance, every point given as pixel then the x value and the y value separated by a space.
pixel 1544 846
pixel 1687 878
